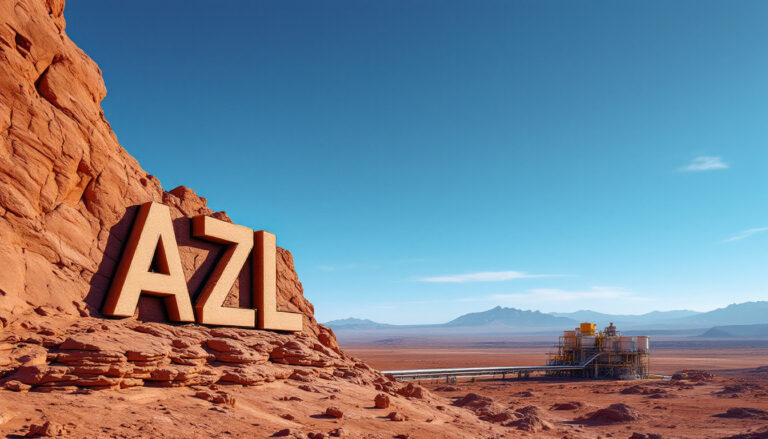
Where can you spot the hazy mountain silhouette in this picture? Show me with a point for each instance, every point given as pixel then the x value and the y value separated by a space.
pixel 737 331
pixel 748 313
pixel 353 323
pixel 652 317
pixel 510 317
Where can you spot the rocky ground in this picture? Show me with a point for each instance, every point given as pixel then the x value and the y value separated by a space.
pixel 322 407
pixel 314 402
pixel 690 406
pixel 125 378
pixel 728 402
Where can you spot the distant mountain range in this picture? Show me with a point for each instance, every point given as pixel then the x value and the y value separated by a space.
pixel 747 313
pixel 654 316
pixel 353 323
pixel 500 319
pixel 737 331
pixel 509 317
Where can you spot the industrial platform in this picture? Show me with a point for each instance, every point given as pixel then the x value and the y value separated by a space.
pixel 583 352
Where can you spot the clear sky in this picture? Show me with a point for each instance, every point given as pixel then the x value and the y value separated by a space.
pixel 424 159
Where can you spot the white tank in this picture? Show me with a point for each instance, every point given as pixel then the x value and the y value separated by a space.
pixel 643 343
pixel 626 344
pixel 588 341
pixel 609 344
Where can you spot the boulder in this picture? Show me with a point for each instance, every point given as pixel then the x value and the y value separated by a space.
pixel 397 417
pixel 615 413
pixel 381 401
pixel 45 429
pixel 334 412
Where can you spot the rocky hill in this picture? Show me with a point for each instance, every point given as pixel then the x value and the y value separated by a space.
pixel 759 331
pixel 511 317
pixel 68 196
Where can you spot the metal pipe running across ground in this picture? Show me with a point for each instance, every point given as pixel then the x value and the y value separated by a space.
pixel 467 372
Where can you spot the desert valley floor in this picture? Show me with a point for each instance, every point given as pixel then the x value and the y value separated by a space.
pixel 732 403
pixel 698 409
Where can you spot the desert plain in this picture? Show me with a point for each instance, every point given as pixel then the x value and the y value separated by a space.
pixel 729 399
pixel 735 379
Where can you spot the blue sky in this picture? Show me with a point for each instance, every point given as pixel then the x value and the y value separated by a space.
pixel 425 159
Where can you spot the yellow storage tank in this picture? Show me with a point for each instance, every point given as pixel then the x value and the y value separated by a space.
pixel 588 328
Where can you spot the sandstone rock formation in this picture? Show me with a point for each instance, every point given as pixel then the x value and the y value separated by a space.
pixel 68 194
pixel 68 190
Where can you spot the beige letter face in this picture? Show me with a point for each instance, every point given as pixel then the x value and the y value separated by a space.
pixel 265 284
pixel 152 233
pixel 209 308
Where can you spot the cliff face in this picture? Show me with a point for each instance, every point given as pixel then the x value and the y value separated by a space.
pixel 68 196
pixel 69 191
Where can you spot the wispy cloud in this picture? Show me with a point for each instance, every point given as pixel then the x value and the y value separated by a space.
pixel 484 276
pixel 746 234
pixel 704 163
pixel 543 295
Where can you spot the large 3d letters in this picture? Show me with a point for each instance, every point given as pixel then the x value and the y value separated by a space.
pixel 152 235
pixel 209 307
pixel 265 284
pixel 152 240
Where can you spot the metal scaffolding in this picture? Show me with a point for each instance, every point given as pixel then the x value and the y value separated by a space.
pixel 617 356
pixel 583 352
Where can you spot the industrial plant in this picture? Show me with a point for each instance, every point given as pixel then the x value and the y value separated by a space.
pixel 582 352
pixel 603 353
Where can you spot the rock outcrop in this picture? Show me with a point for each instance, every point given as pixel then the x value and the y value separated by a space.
pixel 615 413
pixel 69 191
pixel 117 354
pixel 68 196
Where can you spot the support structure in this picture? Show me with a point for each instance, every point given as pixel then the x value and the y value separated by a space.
pixel 584 352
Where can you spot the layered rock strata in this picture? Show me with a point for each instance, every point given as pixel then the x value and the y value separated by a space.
pixel 93 354
pixel 68 196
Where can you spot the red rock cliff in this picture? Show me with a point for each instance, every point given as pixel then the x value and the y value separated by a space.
pixel 69 191
pixel 68 196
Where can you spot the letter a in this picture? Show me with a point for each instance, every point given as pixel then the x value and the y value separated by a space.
pixel 152 234
pixel 209 307
pixel 265 284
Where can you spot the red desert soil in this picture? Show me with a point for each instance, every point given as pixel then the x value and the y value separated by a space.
pixel 257 412
pixel 671 409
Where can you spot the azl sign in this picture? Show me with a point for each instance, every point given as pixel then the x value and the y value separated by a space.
pixel 153 239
